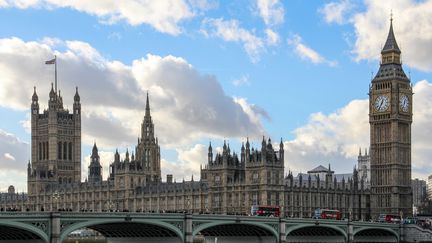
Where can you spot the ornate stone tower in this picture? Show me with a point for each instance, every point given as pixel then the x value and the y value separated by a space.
pixel 390 118
pixel 95 168
pixel 56 144
pixel 148 150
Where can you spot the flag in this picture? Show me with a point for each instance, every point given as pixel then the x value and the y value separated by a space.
pixel 53 61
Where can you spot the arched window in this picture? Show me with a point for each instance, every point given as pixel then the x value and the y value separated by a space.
pixel 40 151
pixel 59 148
pixel 70 151
pixel 47 150
pixel 65 151
pixel 43 150
pixel 60 180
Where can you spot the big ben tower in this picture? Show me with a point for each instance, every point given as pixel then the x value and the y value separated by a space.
pixel 390 118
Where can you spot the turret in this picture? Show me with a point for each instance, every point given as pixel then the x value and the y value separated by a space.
pixel 77 104
pixel 243 153
pixel 28 169
pixel 210 154
pixel 263 150
pixel 247 149
pixel 116 156
pixel 127 156
pixel 52 103
pixel 95 168
pixel 281 152
pixel 35 103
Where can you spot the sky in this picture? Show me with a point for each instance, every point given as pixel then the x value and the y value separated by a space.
pixel 214 71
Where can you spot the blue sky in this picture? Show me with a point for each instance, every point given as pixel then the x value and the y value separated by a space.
pixel 215 71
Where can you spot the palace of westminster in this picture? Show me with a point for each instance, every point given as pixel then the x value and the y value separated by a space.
pixel 229 183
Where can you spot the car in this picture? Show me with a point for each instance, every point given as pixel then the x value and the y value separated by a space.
pixel 409 220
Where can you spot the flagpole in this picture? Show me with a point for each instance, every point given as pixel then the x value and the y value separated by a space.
pixel 55 72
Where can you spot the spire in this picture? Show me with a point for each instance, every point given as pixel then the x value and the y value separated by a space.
pixel 391 44
pixel 52 93
pixel 35 96
pixel 360 154
pixel 95 149
pixel 147 111
pixel 76 97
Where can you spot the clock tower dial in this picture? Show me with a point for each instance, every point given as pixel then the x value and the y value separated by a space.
pixel 381 103
pixel 404 103
pixel 390 103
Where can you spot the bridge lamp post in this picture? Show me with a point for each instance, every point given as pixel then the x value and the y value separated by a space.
pixel 110 205
pixel 56 197
pixel 188 203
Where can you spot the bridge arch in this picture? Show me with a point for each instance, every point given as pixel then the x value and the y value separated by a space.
pixel 312 231
pixel 99 225
pixel 241 227
pixel 371 233
pixel 22 230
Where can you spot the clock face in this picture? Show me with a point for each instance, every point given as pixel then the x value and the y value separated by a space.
pixel 381 103
pixel 404 103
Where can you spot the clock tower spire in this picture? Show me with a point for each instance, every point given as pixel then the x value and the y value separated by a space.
pixel 390 118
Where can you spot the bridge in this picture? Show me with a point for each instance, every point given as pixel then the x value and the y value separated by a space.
pixel 54 227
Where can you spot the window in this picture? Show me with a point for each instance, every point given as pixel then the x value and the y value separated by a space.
pixel 70 151
pixel 64 151
pixel 59 148
pixel 255 177
pixel 217 179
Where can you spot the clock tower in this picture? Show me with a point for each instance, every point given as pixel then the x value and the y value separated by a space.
pixel 390 118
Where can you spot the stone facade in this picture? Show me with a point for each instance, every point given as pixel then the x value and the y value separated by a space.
pixel 419 193
pixel 229 183
pixel 390 118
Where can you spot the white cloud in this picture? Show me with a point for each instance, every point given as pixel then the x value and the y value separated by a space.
pixel 230 30
pixel 186 105
pixel 14 155
pixel 8 156
pixel 271 11
pixel 336 12
pixel 164 16
pixel 412 26
pixel 307 53
pixel 243 80
pixel 188 164
pixel 272 37
pixel 335 138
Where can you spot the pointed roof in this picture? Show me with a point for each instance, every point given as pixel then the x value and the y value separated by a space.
pixel 147 111
pixel 76 97
pixel 391 44
pixel 35 96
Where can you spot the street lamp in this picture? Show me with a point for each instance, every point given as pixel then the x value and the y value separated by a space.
pixel 110 204
pixel 56 197
pixel 188 205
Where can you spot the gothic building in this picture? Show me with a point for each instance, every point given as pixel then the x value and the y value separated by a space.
pixel 229 182
pixel 390 118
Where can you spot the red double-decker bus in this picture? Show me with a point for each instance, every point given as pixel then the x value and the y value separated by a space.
pixel 265 210
pixel 327 214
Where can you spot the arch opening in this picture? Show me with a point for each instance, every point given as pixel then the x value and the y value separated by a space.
pixel 8 233
pixel 112 232
pixel 315 234
pixel 375 235
pixel 236 233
